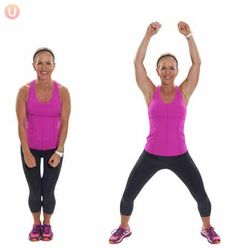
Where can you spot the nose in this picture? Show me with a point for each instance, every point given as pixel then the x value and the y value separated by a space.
pixel 44 66
pixel 168 71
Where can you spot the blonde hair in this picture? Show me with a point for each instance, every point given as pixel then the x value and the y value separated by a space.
pixel 43 49
pixel 166 55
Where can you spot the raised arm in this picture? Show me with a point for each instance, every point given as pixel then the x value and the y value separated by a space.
pixel 189 84
pixel 142 79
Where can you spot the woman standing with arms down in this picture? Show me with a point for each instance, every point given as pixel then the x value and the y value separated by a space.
pixel 165 147
pixel 43 109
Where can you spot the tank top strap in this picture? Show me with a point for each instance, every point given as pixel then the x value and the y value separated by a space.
pixel 31 90
pixel 156 94
pixel 178 93
pixel 56 88
pixel 56 93
pixel 56 84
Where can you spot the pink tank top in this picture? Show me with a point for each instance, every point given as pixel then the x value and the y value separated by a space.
pixel 43 119
pixel 166 137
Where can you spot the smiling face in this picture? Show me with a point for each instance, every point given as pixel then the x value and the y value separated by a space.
pixel 44 65
pixel 167 70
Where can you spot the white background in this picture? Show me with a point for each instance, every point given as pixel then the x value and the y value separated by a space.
pixel 95 43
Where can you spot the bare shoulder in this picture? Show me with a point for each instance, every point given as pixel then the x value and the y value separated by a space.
pixel 63 89
pixel 23 91
pixel 64 92
pixel 25 87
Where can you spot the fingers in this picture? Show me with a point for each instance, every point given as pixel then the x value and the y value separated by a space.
pixel 183 28
pixel 183 25
pixel 54 161
pixel 30 165
pixel 155 26
pixel 30 161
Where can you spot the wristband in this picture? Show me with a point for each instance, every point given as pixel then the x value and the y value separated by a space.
pixel 189 35
pixel 60 154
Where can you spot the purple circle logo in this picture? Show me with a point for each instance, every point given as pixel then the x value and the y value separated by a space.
pixel 12 11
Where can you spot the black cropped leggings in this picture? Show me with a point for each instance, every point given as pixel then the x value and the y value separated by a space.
pixel 41 189
pixel 182 165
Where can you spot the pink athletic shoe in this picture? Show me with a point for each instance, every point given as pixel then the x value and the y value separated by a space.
pixel 35 233
pixel 119 234
pixel 46 233
pixel 211 235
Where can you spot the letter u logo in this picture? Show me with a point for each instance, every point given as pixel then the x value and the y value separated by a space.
pixel 12 11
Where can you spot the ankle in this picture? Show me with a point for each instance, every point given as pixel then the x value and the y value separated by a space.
pixel 125 226
pixel 37 223
pixel 46 223
pixel 206 226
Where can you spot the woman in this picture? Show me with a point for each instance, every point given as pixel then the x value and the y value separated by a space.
pixel 165 147
pixel 43 109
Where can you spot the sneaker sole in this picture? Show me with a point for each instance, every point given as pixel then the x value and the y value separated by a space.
pixel 46 239
pixel 215 242
pixel 34 239
pixel 119 241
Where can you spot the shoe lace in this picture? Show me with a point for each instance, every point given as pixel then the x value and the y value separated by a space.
pixel 46 229
pixel 36 229
pixel 119 232
pixel 211 232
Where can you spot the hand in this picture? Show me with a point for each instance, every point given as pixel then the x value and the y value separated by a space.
pixel 184 28
pixel 29 160
pixel 153 28
pixel 54 160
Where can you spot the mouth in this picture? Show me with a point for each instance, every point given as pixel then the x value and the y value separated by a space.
pixel 167 78
pixel 43 72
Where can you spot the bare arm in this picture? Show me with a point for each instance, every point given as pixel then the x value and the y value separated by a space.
pixel 21 116
pixel 64 119
pixel 142 79
pixel 65 113
pixel 189 84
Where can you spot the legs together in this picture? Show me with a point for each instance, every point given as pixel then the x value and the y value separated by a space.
pixel 41 196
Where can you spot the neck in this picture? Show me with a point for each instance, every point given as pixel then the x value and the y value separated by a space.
pixel 44 83
pixel 167 88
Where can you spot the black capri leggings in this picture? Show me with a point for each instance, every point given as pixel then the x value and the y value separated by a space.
pixel 41 189
pixel 182 165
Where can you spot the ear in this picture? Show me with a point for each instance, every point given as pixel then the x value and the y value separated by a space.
pixel 33 66
pixel 177 70
pixel 157 70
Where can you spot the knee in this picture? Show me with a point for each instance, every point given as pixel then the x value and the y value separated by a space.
pixel 48 203
pixel 127 199
pixel 204 207
pixel 35 202
pixel 126 206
